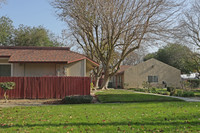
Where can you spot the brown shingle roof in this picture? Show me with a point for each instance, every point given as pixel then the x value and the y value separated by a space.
pixel 41 54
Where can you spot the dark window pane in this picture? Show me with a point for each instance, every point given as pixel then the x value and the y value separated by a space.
pixel 155 78
pixel 152 79
pixel 5 70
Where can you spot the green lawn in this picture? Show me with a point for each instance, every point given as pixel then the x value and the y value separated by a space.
pixel 160 116
pixel 110 96
pixel 197 92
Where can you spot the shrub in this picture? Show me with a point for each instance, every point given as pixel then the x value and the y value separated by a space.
pixel 170 89
pixel 188 94
pixel 77 99
pixel 91 85
pixel 183 93
pixel 7 86
pixel 185 85
pixel 179 93
pixel 138 89
pixel 152 90
pixel 166 93
pixel 195 83
pixel 146 85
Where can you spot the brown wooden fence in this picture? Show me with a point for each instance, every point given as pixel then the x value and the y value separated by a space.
pixel 46 87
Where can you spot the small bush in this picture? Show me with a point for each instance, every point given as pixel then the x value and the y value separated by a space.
pixel 91 86
pixel 188 94
pixel 77 99
pixel 7 86
pixel 138 89
pixel 152 90
pixel 170 89
pixel 146 85
pixel 179 93
pixel 195 83
pixel 182 93
pixel 166 93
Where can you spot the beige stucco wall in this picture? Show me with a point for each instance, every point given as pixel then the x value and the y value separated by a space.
pixel 89 68
pixel 79 68
pixel 49 69
pixel 76 69
pixel 60 69
pixel 3 60
pixel 136 75
pixel 39 69
pixel 18 69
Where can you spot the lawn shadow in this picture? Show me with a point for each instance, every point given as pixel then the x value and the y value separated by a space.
pixel 148 123
pixel 129 98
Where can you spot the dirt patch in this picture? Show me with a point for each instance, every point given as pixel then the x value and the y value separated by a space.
pixel 35 102
pixel 29 102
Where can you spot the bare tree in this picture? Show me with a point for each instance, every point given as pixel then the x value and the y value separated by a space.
pixel 2 2
pixel 189 26
pixel 196 59
pixel 135 57
pixel 111 29
pixel 188 32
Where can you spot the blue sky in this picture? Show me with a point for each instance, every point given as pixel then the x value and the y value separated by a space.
pixel 32 13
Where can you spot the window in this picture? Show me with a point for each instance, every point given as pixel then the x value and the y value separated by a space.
pixel 119 79
pixel 152 79
pixel 5 70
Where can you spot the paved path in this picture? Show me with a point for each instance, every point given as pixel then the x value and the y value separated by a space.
pixel 187 99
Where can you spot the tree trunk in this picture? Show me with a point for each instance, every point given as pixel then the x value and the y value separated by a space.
pixel 96 85
pixel 5 97
pixel 104 85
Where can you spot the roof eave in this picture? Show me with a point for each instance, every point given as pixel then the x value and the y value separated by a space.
pixel 94 63
pixel 38 62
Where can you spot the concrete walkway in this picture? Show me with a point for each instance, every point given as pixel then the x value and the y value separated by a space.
pixel 187 99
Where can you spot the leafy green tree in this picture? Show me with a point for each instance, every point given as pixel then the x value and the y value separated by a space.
pixel 6 31
pixel 25 35
pixel 32 36
pixel 149 56
pixel 176 55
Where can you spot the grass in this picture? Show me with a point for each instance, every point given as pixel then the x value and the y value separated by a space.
pixel 197 92
pixel 127 117
pixel 160 116
pixel 162 91
pixel 110 96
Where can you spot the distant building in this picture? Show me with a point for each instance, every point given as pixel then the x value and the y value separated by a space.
pixel 153 71
pixel 189 76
